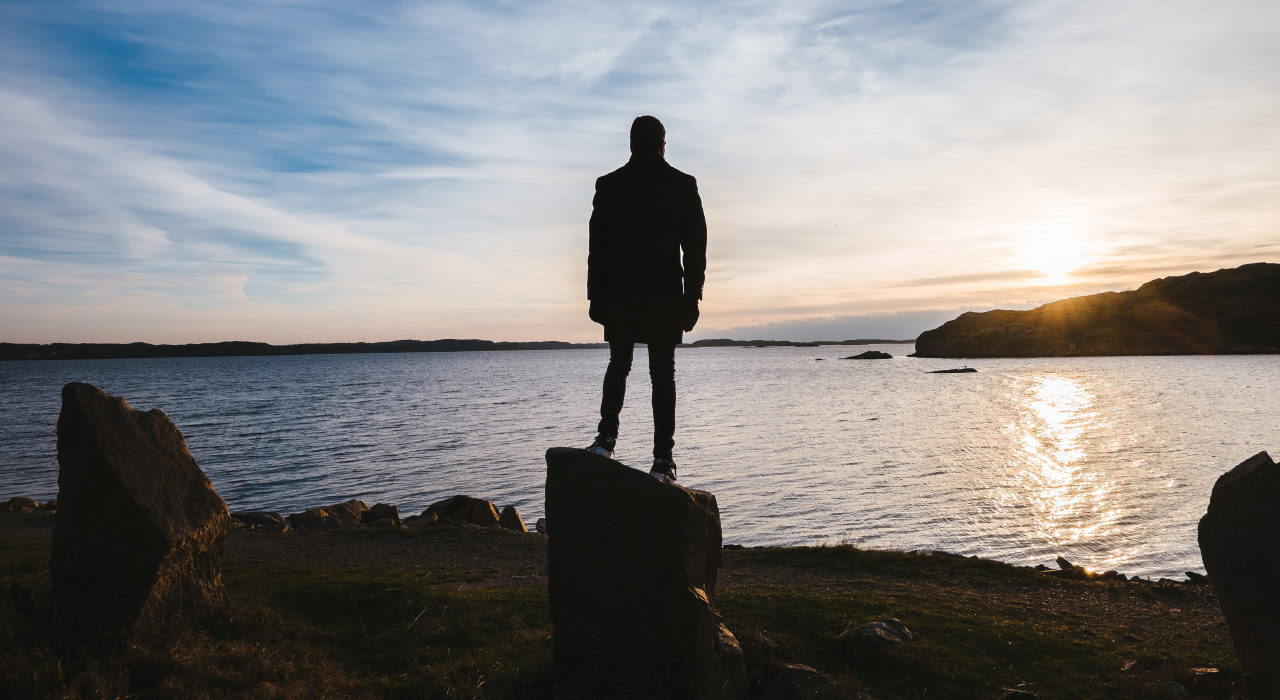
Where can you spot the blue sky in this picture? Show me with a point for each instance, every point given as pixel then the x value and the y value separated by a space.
pixel 311 171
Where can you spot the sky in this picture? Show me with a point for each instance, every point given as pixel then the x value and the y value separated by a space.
pixel 287 171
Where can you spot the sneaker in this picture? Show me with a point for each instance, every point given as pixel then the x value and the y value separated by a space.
pixel 602 446
pixel 663 470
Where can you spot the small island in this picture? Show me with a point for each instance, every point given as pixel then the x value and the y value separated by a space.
pixel 870 355
pixel 1231 311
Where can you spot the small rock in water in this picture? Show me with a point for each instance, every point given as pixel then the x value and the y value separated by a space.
pixel 541 525
pixel 870 355
pixel 1064 564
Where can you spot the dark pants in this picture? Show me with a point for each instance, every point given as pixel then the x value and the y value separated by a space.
pixel 662 370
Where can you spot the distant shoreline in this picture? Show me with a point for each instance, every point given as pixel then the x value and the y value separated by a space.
pixel 118 351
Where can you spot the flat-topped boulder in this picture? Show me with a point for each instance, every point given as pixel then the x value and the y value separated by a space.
pixel 1240 544
pixel 632 579
pixel 140 531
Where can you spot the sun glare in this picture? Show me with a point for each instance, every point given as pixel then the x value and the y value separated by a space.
pixel 1054 254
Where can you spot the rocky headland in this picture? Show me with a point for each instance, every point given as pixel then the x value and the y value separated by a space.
pixel 1231 311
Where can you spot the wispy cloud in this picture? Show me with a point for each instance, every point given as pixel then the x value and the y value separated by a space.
pixel 329 171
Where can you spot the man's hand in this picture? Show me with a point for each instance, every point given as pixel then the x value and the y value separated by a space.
pixel 689 314
pixel 596 311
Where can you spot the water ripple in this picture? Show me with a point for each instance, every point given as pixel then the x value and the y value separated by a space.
pixel 1108 461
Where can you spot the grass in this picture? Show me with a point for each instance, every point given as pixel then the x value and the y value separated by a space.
pixel 304 629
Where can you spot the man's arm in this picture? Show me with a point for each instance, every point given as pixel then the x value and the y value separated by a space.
pixel 694 246
pixel 597 276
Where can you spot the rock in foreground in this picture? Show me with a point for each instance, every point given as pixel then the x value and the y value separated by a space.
pixel 1240 544
pixel 140 531
pixel 632 576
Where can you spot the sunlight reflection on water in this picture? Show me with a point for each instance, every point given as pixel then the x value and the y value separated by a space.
pixel 1107 461
pixel 1051 471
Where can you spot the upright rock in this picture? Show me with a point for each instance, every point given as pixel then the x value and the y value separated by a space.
pixel 632 577
pixel 1240 545
pixel 140 531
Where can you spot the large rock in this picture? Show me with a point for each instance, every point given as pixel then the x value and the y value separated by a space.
pixel 465 509
pixel 381 512
pixel 632 578
pixel 1240 545
pixel 139 534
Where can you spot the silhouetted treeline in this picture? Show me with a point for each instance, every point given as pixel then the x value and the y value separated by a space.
pixel 98 351
pixel 108 351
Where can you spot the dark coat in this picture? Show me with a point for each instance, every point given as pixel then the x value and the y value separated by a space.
pixel 645 215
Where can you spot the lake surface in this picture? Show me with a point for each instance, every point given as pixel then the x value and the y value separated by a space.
pixel 1107 461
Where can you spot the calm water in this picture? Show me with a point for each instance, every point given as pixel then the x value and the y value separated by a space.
pixel 1108 461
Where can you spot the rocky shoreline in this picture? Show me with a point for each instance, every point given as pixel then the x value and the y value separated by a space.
pixel 470 511
pixel 959 610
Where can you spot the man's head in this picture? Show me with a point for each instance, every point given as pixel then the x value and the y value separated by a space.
pixel 648 136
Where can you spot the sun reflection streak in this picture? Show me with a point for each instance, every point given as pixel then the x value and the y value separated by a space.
pixel 1051 480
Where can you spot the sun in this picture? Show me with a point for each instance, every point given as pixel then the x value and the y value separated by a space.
pixel 1054 254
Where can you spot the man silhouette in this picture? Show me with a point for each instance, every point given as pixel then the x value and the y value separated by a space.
pixel 644 216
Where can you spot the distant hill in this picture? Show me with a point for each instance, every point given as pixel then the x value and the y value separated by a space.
pixel 1231 311
pixel 99 351
pixel 106 351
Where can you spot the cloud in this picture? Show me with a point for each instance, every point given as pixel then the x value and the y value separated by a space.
pixel 282 171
